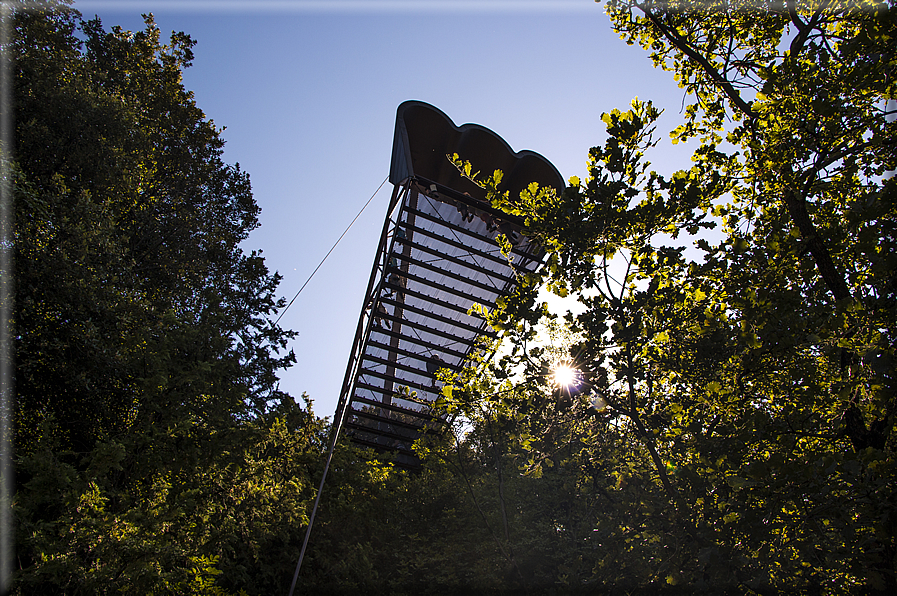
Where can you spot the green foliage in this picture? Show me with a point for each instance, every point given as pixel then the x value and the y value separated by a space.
pixel 226 513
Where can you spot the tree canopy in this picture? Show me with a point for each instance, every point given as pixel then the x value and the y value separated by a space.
pixel 732 427
pixel 745 387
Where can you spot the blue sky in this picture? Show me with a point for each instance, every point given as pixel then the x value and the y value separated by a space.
pixel 308 93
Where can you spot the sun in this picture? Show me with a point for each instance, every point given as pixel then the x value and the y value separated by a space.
pixel 564 375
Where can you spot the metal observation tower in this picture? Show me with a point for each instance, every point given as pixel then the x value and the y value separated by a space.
pixel 437 257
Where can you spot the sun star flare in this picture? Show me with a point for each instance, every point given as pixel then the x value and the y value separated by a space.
pixel 564 375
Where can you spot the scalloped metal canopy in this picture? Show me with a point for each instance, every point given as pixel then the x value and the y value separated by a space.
pixel 424 135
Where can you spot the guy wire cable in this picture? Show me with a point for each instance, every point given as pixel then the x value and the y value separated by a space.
pixel 330 251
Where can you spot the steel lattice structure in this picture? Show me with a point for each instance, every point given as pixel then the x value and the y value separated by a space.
pixel 437 257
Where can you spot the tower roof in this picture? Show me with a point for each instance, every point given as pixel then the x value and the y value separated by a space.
pixel 424 136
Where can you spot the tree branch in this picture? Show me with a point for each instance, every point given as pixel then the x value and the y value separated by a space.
pixel 649 444
pixel 795 18
pixel 829 160
pixel 683 46
pixel 797 209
